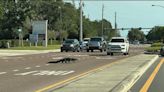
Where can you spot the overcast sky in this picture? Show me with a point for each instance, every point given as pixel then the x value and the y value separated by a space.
pixel 129 13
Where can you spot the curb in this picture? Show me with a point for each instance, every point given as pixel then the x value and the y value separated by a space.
pixel 130 80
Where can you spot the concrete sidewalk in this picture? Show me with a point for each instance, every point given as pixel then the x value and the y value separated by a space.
pixel 24 52
pixel 118 77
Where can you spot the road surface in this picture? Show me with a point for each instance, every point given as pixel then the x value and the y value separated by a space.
pixel 28 73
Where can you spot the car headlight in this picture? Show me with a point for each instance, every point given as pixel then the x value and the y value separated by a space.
pixel 71 45
pixel 99 44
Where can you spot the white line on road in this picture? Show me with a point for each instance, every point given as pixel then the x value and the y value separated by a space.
pixel 59 72
pixel 105 58
pixel 37 66
pixel 26 73
pixel 46 72
pixel 2 73
pixel 47 64
pixel 68 72
pixel 15 70
pixel 27 68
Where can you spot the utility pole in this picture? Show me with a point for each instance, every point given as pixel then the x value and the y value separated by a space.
pixel 60 18
pixel 73 2
pixel 81 21
pixel 115 21
pixel 102 20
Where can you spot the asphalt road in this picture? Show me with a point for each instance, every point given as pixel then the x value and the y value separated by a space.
pixel 152 79
pixel 28 73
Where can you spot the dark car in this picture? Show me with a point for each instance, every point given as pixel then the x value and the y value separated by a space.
pixel 70 45
pixel 162 51
pixel 96 43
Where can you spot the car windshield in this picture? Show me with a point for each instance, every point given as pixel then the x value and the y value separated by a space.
pixel 117 40
pixel 69 41
pixel 95 39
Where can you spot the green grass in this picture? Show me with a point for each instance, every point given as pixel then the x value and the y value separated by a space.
pixel 50 47
pixel 153 49
pixel 157 44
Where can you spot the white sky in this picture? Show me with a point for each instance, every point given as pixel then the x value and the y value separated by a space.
pixel 129 13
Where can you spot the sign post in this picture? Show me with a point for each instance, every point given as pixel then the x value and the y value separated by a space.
pixel 20 37
pixel 40 28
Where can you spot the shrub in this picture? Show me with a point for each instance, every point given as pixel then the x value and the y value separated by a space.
pixel 157 44
pixel 3 44
pixel 153 49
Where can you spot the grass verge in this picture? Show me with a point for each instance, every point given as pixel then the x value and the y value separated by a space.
pixel 49 47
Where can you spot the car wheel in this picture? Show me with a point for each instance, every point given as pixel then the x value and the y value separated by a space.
pixel 87 50
pixel 78 49
pixel 111 54
pixel 61 50
pixel 101 50
pixel 91 50
pixel 125 53
pixel 108 53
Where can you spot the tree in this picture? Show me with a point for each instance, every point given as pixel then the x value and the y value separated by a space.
pixel 14 15
pixel 156 34
pixel 63 19
pixel 136 34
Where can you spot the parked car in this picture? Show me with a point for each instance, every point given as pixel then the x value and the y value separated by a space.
pixel 118 45
pixel 136 42
pixel 86 41
pixel 84 44
pixel 162 51
pixel 70 45
pixel 96 43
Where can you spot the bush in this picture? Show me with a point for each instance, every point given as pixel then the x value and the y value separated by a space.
pixel 3 44
pixel 157 45
pixel 153 49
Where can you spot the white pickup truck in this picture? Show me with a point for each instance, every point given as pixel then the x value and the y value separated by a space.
pixel 118 45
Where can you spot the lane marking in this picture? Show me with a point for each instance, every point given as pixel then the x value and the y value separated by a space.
pixel 37 66
pixel 151 78
pixel 27 68
pixel 105 58
pixel 76 77
pixel 46 72
pixel 15 70
pixel 26 73
pixel 47 64
pixel 51 72
pixel 68 73
pixel 2 73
